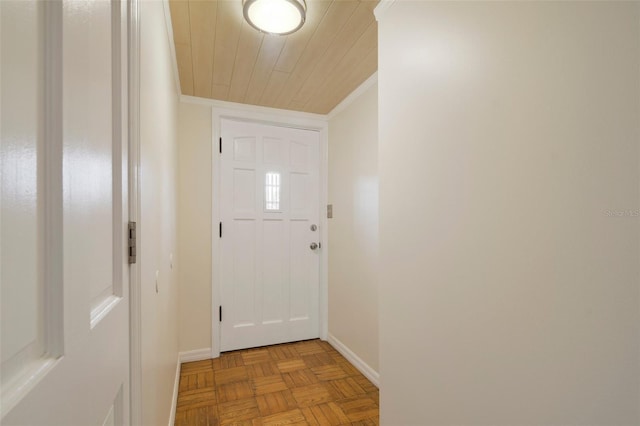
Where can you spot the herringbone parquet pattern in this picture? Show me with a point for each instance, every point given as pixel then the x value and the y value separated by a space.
pixel 302 383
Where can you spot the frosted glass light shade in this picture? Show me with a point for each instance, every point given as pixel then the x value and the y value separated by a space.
pixel 275 16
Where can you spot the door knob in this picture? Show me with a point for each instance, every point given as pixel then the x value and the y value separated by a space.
pixel 313 246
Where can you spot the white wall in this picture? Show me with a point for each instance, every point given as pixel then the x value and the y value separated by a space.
pixel 509 197
pixel 194 227
pixel 353 231
pixel 157 228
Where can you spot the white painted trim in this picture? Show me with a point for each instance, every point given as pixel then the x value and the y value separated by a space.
pixel 324 233
pixel 382 8
pixel 103 308
pixel 135 294
pixel 187 356
pixel 252 109
pixel 354 359
pixel 53 145
pixel 194 355
pixel 172 46
pixel 20 386
pixel 215 241
pixel 354 95
pixel 276 117
pixel 255 109
pixel 174 399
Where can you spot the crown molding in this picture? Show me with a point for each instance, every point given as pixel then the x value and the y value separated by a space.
pixel 382 8
pixel 351 97
pixel 172 46
pixel 255 109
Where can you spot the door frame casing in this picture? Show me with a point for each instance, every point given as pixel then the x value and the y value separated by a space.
pixel 135 292
pixel 275 117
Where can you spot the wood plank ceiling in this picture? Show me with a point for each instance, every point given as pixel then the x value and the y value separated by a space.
pixel 222 57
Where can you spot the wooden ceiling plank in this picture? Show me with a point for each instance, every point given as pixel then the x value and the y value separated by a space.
pixel 367 65
pixel 355 67
pixel 351 82
pixel 335 18
pixel 277 81
pixel 220 56
pixel 180 21
pixel 182 41
pixel 202 14
pixel 227 37
pixel 246 55
pixel 185 69
pixel 267 58
pixel 367 42
pixel 297 42
pixel 360 20
pixel 219 91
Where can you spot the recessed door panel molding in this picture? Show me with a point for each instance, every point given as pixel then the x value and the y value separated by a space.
pixel 269 273
pixel 244 149
pixel 299 193
pixel 244 192
pixel 273 150
pixel 299 155
pixel 244 272
pixel 302 261
pixel 274 265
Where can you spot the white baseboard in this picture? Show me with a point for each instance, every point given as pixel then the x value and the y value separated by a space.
pixel 188 356
pixel 174 399
pixel 195 355
pixel 354 359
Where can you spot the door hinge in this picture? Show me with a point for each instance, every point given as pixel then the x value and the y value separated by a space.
pixel 220 230
pixel 131 236
pixel 220 145
pixel 220 313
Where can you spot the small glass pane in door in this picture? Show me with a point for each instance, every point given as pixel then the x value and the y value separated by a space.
pixel 272 191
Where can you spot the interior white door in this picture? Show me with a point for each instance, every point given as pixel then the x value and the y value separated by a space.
pixel 270 213
pixel 64 255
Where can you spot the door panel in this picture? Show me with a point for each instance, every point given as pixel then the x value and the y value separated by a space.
pixel 301 263
pixel 21 188
pixel 273 273
pixel 244 194
pixel 270 199
pixel 244 271
pixel 78 162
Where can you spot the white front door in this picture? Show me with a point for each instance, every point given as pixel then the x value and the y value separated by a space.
pixel 63 255
pixel 270 213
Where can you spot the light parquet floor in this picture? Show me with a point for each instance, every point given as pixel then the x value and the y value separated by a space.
pixel 302 383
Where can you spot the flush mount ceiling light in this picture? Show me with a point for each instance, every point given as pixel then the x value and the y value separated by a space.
pixel 279 17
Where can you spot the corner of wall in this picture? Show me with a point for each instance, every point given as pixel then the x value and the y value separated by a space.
pixel 174 399
pixel 354 359
pixel 172 46
pixel 353 230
